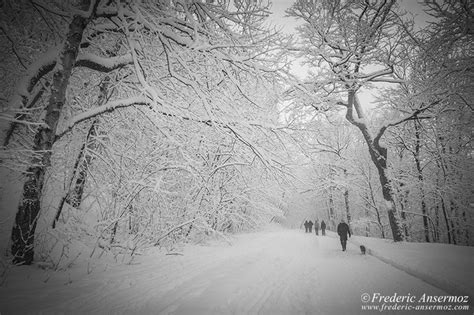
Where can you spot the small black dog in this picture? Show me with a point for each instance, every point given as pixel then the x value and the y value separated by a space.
pixel 362 249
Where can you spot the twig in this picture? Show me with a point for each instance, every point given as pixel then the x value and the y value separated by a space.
pixel 172 229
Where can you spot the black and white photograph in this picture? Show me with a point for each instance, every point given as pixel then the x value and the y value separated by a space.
pixel 232 157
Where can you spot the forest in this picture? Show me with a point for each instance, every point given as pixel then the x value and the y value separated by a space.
pixel 136 123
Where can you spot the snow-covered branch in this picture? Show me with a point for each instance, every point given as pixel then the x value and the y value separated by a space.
pixel 379 76
pixel 103 64
pixel 411 116
pixel 44 65
pixel 47 62
pixel 108 107
pixel 174 228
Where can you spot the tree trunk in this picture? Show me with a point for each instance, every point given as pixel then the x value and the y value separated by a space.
pixel 443 167
pixel 28 210
pixel 332 212
pixel 437 224
pixel 378 155
pixel 393 217
pixel 403 214
pixel 454 223
pixel 346 201
pixel 466 231
pixel 367 214
pixel 403 202
pixel 416 156
pixel 377 212
pixel 74 195
pixel 446 220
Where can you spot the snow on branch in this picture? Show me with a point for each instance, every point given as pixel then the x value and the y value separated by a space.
pixel 108 107
pixel 413 115
pixel 47 62
pixel 174 228
pixel 103 64
pixel 227 165
pixel 142 100
pixel 42 66
pixel 24 88
pixel 380 76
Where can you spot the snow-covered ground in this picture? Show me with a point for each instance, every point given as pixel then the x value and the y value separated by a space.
pixel 277 271
pixel 446 266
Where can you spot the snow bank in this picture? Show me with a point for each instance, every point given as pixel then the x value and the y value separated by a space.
pixel 448 267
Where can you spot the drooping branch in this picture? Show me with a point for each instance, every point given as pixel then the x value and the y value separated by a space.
pixel 174 228
pixel 108 107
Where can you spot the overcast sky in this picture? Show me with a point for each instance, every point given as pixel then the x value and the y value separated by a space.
pixel 288 25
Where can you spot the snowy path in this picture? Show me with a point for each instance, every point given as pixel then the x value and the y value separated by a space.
pixel 274 272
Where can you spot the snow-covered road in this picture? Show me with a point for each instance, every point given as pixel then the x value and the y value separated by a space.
pixel 273 272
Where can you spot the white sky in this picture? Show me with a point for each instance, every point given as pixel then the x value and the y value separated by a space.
pixel 289 24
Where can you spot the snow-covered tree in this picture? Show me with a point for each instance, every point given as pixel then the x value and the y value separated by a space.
pixel 352 44
pixel 187 66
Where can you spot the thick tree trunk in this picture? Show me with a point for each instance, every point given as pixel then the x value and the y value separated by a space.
pixel 378 155
pixel 387 193
pixel 416 156
pixel 28 210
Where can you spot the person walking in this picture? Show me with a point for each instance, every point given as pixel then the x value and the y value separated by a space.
pixel 306 226
pixel 323 227
pixel 310 225
pixel 343 230
pixel 316 226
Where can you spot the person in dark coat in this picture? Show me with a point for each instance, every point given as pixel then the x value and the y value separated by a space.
pixel 306 226
pixel 310 225
pixel 316 226
pixel 343 230
pixel 323 227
